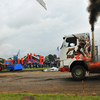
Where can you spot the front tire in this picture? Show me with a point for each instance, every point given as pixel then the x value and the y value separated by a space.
pixel 78 72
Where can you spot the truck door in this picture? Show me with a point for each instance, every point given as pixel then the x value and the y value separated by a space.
pixel 67 49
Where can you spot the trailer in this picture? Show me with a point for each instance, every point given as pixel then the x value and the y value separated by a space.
pixel 14 64
pixel 14 67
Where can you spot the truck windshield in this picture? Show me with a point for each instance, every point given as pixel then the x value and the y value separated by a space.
pixel 71 41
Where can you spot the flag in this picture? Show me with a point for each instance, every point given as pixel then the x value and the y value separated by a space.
pixel 57 51
pixel 42 3
pixel 18 52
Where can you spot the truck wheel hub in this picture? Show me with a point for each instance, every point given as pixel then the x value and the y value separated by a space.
pixel 78 72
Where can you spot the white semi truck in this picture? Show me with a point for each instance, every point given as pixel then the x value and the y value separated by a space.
pixel 76 56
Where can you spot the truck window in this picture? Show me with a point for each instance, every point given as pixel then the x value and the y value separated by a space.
pixel 71 40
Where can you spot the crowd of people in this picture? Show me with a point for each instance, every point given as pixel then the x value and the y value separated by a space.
pixel 51 63
pixel 45 64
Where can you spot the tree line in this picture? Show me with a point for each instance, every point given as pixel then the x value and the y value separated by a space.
pixel 50 57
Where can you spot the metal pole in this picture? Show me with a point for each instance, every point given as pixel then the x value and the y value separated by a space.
pixel 93 48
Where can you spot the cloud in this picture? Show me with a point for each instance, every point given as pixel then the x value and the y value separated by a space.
pixel 22 14
pixel 7 50
pixel 27 26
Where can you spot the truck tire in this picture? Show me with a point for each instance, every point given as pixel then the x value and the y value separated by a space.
pixel 78 72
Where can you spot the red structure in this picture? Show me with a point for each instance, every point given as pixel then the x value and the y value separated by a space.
pixel 30 58
pixel 9 62
pixel 33 59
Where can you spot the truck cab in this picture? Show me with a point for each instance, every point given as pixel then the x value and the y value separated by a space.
pixel 75 53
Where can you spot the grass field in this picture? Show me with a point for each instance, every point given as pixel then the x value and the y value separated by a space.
pixel 36 68
pixel 14 96
pixel 30 68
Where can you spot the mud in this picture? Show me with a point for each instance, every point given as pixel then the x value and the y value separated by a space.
pixel 48 82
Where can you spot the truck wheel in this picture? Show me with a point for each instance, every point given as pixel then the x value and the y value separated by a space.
pixel 78 72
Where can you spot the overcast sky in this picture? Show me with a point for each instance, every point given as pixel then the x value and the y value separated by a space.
pixel 26 26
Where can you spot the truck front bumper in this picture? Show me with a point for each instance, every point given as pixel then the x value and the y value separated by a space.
pixel 65 68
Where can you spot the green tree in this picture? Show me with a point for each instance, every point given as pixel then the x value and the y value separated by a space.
pixel 51 57
pixel 54 56
pixel 46 58
pixel 9 58
pixel 2 60
pixel 24 57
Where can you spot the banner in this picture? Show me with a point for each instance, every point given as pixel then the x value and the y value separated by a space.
pixel 18 53
pixel 57 51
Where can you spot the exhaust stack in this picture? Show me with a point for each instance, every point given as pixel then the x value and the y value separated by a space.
pixel 93 48
pixel 94 11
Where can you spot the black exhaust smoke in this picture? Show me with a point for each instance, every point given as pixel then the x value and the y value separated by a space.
pixel 94 10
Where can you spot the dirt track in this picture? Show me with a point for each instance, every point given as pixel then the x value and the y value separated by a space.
pixel 47 82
